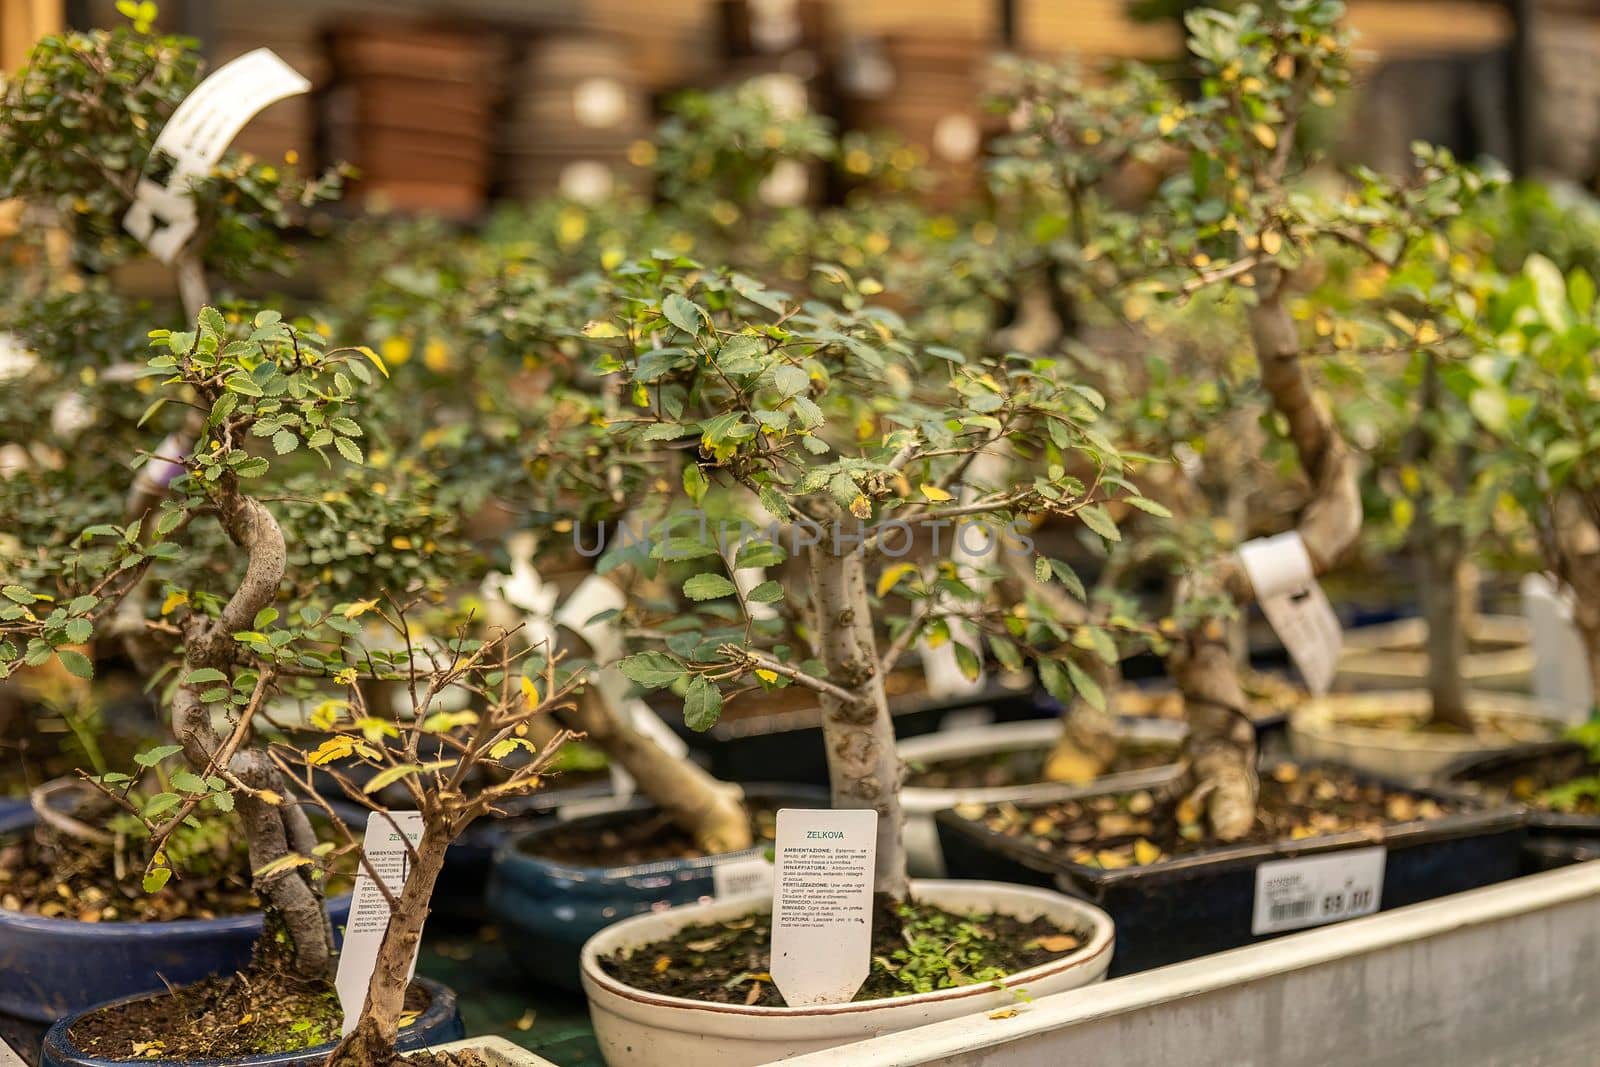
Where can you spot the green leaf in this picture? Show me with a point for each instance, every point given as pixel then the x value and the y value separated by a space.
pixel 159 803
pixel 766 593
pixel 1145 504
pixel 694 482
pixel 155 755
pixel 18 594
pixel 348 449
pixel 204 675
pixel 653 670
pixel 1488 405
pixel 79 631
pixel 348 427
pixel 708 587
pixel 156 877
pixel 284 441
pixel 1099 520
pixel 76 663
pixel 265 618
pixel 791 380
pixel 244 385
pixel 683 313
pixel 1549 292
pixel 1086 686
pixel 702 705
pixel 254 467
pixel 211 319
pixel 967 660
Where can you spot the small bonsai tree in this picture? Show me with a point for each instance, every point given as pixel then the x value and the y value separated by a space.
pixel 855 436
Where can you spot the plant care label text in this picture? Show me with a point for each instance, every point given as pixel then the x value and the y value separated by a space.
pixel 822 904
pixel 389 855
pixel 1314 890
pixel 1286 585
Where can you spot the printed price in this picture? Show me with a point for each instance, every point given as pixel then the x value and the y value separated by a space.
pixel 1316 890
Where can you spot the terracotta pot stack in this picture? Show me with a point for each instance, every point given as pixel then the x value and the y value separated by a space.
pixel 928 90
pixel 411 108
pixel 572 117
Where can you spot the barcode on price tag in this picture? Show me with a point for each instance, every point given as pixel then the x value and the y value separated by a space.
pixel 1315 890
pixel 737 877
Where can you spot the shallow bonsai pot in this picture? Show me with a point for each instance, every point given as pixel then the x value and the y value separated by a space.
pixel 440 1022
pixel 547 909
pixel 1394 654
pixel 495 1052
pixel 640 1029
pixel 787 746
pixel 52 967
pixel 1555 838
pixel 1338 728
pixel 1194 905
pixel 920 804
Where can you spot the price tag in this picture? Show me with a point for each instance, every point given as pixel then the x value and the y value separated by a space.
pixel 1315 890
pixel 822 904
pixel 193 140
pixel 386 851
pixel 751 875
pixel 1286 587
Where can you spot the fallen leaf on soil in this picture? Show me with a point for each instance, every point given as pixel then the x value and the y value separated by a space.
pixel 1116 824
pixel 703 946
pixel 754 994
pixel 1110 860
pixel 662 963
pixel 525 1023
pixel 1056 943
pixel 970 811
pixel 1286 772
pixel 1141 803
pixel 1146 851
pixel 1188 812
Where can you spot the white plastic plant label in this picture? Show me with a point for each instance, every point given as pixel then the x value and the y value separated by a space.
pixel 389 855
pixel 1286 586
pixel 1316 890
pixel 193 140
pixel 752 874
pixel 822 903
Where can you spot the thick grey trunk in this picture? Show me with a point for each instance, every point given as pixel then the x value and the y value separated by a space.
pixel 863 769
pixel 1089 739
pixel 712 811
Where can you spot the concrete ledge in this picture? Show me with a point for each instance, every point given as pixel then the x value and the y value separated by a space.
pixel 1502 975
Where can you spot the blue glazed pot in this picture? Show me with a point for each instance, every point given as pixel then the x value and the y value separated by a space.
pixel 53 967
pixel 547 909
pixel 441 1022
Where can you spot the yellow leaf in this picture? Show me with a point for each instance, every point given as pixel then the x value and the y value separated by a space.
pixel 934 493
pixel 436 356
pixel 377 360
pixel 359 608
pixel 401 543
pixel 1003 1013
pixel 1145 851
pixel 767 676
pixel 891 577
pixel 175 599
pixel 530 692
pixel 600 330
pixel 502 749
pixel 1266 135
pixel 662 963
pixel 1271 242
pixel 861 507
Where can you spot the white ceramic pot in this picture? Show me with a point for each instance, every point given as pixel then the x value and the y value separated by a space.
pixel 1338 727
pixel 640 1029
pixel 923 854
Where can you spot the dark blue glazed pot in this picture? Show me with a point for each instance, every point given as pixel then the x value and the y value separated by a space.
pixel 441 1022
pixel 52 967
pixel 547 909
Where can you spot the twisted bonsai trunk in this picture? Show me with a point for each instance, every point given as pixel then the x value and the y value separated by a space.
pixel 863 769
pixel 274 826
pixel 1221 746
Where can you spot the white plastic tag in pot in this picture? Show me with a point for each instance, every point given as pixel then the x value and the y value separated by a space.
pixel 822 903
pixel 194 139
pixel 387 853
pixel 1316 890
pixel 1286 587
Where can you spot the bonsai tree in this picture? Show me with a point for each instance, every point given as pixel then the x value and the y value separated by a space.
pixel 1531 386
pixel 1237 220
pixel 855 436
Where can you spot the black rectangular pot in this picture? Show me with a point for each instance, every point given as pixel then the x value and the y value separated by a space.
pixel 1190 906
pixel 1555 839
pixel 788 747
